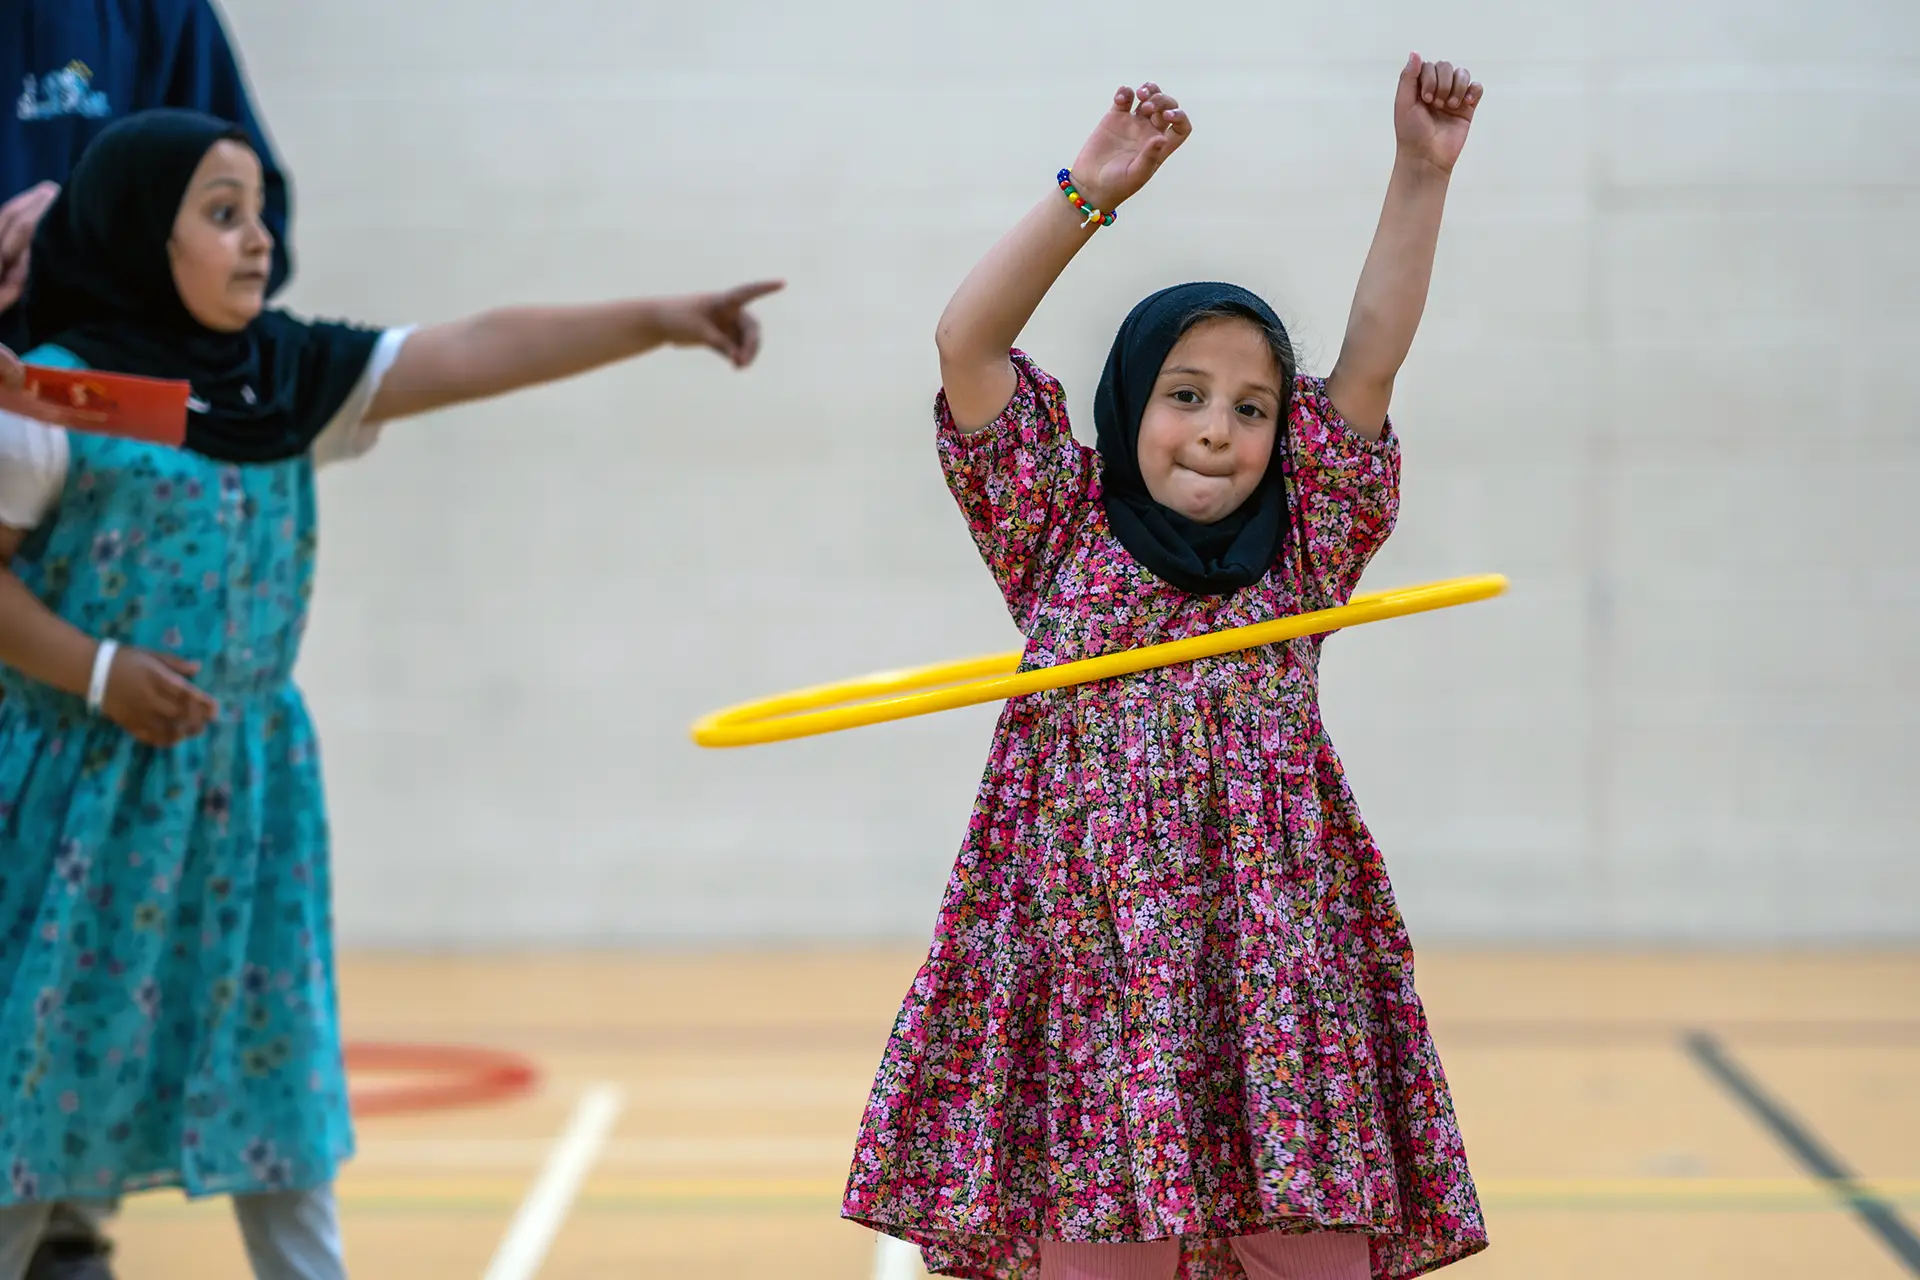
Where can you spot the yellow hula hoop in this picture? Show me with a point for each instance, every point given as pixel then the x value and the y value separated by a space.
pixel 891 695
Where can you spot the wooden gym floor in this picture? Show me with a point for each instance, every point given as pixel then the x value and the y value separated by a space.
pixel 1645 1116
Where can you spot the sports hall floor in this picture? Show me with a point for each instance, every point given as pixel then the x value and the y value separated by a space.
pixel 1645 1116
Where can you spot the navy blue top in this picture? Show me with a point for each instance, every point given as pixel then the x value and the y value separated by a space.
pixel 69 67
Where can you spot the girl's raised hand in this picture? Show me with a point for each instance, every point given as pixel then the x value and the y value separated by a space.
pixel 718 320
pixel 1432 110
pixel 1133 139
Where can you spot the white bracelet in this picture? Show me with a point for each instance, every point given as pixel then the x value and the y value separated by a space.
pixel 102 665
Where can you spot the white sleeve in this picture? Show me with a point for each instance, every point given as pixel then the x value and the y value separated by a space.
pixel 33 469
pixel 349 434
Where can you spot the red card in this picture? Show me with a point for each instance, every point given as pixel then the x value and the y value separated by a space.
pixel 114 404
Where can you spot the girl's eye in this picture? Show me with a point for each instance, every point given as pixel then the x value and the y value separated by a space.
pixel 224 214
pixel 1252 411
pixel 1186 395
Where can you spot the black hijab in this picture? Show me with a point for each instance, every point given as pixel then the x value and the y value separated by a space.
pixel 1202 559
pixel 100 284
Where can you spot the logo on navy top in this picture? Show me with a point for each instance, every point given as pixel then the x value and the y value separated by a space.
pixel 66 92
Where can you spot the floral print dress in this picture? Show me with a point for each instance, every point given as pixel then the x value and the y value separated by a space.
pixel 167 1002
pixel 1169 993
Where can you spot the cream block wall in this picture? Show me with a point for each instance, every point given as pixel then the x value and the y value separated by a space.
pixel 1668 383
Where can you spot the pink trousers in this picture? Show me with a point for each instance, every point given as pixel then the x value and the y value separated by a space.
pixel 1326 1255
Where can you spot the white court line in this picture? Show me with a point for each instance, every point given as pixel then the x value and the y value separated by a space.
pixel 538 1220
pixel 896 1260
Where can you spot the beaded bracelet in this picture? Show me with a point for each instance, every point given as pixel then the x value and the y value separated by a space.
pixel 1079 201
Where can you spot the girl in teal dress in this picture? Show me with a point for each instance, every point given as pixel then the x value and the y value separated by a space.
pixel 168 1014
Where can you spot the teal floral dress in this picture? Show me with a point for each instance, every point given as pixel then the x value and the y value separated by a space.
pixel 167 1004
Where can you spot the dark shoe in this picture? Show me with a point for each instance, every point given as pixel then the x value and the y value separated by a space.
pixel 70 1260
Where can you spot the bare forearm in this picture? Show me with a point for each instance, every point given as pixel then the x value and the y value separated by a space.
pixel 1392 294
pixel 993 304
pixel 40 644
pixel 515 347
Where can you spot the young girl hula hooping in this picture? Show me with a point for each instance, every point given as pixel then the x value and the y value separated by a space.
pixel 167 1002
pixel 1168 1022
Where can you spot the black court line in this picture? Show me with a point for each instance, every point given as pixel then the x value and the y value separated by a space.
pixel 1880 1217
pixel 1520 1033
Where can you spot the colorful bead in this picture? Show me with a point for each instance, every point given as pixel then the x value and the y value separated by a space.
pixel 1095 217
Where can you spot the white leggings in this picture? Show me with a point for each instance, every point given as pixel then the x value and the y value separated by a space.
pixel 290 1235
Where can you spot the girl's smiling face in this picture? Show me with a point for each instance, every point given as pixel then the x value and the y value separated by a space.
pixel 1207 434
pixel 221 251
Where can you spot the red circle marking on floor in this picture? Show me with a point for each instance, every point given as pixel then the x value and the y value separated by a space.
pixel 456 1076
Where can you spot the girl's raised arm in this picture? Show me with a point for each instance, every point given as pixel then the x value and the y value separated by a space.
pixel 1432 110
pixel 500 351
pixel 993 304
